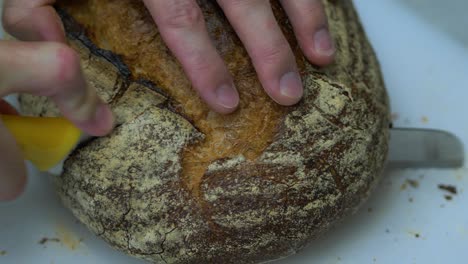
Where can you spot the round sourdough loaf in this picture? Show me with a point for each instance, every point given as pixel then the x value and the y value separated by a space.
pixel 178 183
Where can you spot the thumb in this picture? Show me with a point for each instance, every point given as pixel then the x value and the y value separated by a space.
pixel 53 70
pixel 12 169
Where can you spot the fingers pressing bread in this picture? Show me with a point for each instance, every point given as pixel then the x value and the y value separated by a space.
pixel 310 25
pixel 271 54
pixel 182 27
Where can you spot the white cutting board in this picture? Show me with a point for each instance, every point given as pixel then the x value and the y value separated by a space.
pixel 426 71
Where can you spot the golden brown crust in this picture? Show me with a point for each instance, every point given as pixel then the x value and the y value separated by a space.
pixel 322 162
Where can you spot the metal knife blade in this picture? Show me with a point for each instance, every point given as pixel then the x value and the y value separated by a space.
pixel 424 148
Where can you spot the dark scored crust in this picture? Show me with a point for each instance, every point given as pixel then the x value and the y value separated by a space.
pixel 324 160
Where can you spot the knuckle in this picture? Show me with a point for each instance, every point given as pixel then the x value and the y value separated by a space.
pixel 182 14
pixel 198 63
pixel 314 9
pixel 311 16
pixel 240 3
pixel 273 53
pixel 67 64
pixel 64 69
pixel 199 67
pixel 204 70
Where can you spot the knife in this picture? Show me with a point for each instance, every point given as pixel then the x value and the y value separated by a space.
pixel 408 148
pixel 46 142
pixel 424 148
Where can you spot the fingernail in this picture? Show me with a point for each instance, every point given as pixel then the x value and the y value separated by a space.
pixel 227 96
pixel 324 44
pixel 103 120
pixel 291 86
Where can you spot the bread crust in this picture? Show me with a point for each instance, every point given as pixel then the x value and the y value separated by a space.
pixel 326 156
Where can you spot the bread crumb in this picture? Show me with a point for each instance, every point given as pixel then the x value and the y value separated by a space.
pixel 424 120
pixel 66 238
pixel 413 183
pixel 415 234
pixel 45 240
pixel 403 186
pixel 448 188
pixel 410 182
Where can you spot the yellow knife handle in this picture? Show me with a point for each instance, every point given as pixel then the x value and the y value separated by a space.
pixel 44 141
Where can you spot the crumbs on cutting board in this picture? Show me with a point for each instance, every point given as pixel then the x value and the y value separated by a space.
pixel 409 182
pixel 46 240
pixel 448 188
pixel 415 234
pixel 413 183
pixel 424 119
pixel 67 238
pixel 63 237
pixel 450 191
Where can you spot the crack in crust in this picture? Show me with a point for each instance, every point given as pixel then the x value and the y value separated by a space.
pixel 321 165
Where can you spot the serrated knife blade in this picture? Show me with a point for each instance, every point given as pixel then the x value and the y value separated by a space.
pixel 424 148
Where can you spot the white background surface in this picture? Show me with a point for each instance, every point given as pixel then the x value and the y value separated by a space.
pixel 426 72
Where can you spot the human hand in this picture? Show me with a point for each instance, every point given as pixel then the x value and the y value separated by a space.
pixel 41 63
pixel 182 26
